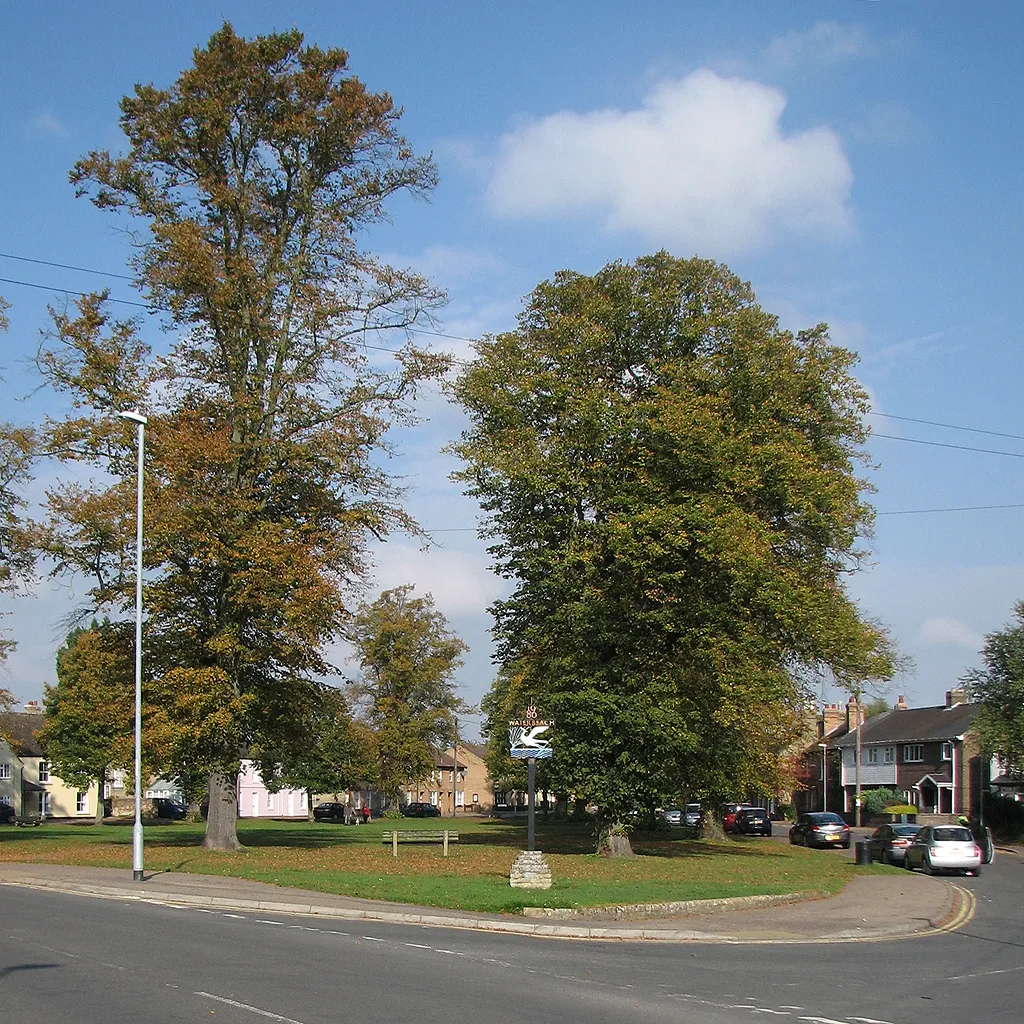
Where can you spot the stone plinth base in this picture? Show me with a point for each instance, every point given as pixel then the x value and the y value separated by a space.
pixel 530 871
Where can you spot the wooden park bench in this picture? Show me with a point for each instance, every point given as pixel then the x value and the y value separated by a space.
pixel 28 819
pixel 419 835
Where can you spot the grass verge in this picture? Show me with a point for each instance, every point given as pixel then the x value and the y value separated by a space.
pixel 352 861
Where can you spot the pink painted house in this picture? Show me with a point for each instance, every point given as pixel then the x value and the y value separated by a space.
pixel 256 801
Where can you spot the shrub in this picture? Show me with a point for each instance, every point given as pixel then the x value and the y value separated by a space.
pixel 875 801
pixel 1005 816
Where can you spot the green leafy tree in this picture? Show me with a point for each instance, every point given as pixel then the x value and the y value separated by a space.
pixel 333 752
pixel 671 483
pixel 408 656
pixel 876 706
pixel 999 688
pixel 90 713
pixel 251 178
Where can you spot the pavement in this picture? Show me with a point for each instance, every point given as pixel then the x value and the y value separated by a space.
pixel 870 908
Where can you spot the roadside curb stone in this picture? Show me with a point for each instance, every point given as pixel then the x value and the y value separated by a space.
pixel 740 920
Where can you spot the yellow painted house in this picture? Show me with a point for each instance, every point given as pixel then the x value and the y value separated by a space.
pixel 26 782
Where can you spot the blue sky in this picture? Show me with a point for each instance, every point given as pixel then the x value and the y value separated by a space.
pixel 857 162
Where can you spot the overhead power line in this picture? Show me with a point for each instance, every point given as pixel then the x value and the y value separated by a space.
pixel 959 508
pixel 957 447
pixel 948 426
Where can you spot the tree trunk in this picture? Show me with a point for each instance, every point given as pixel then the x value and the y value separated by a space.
pixel 100 784
pixel 309 805
pixel 711 826
pixel 222 816
pixel 613 840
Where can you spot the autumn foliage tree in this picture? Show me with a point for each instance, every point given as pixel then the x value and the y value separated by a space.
pixel 17 445
pixel 250 178
pixel 671 484
pixel 408 657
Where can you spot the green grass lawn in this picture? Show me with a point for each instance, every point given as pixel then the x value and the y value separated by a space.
pixel 353 861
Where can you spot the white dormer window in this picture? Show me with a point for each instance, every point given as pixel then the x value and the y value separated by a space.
pixel 44 771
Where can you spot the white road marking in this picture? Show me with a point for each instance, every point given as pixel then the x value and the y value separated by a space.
pixel 869 1020
pixel 984 974
pixel 279 924
pixel 416 945
pixel 237 917
pixel 822 1020
pixel 372 938
pixel 246 1006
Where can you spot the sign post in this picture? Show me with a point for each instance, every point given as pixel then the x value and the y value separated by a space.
pixel 527 742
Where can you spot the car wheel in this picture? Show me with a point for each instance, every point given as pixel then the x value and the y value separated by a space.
pixel 907 864
pixel 926 865
pixel 973 874
pixel 846 845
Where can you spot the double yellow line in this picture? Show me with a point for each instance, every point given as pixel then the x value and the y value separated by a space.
pixel 963 911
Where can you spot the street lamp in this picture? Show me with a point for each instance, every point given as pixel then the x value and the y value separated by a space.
pixel 824 776
pixel 138 418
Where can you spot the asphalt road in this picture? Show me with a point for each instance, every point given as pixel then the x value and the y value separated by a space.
pixel 76 960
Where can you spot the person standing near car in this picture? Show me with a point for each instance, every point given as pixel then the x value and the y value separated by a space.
pixel 366 814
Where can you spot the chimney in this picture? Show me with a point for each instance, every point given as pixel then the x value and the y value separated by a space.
pixel 832 718
pixel 854 715
pixel 32 707
pixel 901 703
pixel 956 696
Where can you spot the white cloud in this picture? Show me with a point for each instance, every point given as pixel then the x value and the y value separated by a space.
pixel 49 125
pixel 459 582
pixel 702 164
pixel 950 632
pixel 827 42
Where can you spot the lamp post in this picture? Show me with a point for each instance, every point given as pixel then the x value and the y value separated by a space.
pixel 137 418
pixel 824 776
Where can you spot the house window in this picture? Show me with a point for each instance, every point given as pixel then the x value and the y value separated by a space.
pixel 476 798
pixel 947 751
pixel 500 799
pixel 44 771
pixel 889 755
pixel 460 798
pixel 81 803
pixel 873 755
pixel 5 770
pixel 44 804
pixel 433 797
pixel 913 752
pixel 270 801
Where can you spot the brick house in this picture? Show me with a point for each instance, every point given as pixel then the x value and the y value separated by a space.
pixel 462 783
pixel 927 754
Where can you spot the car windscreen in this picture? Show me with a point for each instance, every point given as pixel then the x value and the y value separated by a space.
pixel 906 830
pixel 826 818
pixel 952 835
pixel 754 814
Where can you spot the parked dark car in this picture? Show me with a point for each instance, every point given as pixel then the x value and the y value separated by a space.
pixel 820 828
pixel 421 810
pixel 169 809
pixel 329 811
pixel 753 821
pixel 889 842
pixel 7 814
pixel 729 812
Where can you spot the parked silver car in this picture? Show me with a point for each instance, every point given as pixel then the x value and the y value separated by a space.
pixel 691 815
pixel 672 816
pixel 944 848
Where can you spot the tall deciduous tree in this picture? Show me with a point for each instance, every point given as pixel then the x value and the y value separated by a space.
pixel 671 483
pixel 251 177
pixel 90 712
pixel 408 656
pixel 17 445
pixel 333 751
pixel 999 687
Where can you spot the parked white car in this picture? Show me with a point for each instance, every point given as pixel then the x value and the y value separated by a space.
pixel 944 848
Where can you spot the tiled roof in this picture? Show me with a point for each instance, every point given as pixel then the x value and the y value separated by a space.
pixel 914 725
pixel 23 729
